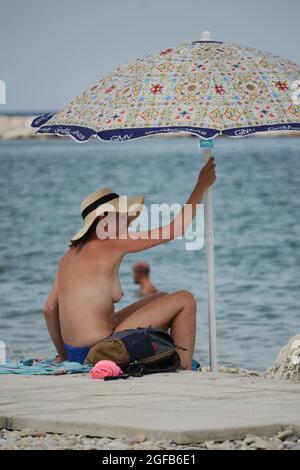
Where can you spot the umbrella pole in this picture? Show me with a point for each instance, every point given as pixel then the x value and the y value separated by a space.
pixel 209 243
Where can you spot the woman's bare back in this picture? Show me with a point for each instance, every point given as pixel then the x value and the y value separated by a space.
pixel 88 287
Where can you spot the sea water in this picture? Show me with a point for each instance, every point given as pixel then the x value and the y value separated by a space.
pixel 257 234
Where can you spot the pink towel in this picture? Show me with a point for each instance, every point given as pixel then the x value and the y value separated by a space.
pixel 105 368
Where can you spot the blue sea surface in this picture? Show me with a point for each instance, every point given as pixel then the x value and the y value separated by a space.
pixel 257 234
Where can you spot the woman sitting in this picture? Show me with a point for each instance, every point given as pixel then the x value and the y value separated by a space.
pixel 80 308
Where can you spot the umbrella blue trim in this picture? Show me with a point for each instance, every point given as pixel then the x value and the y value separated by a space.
pixel 82 134
pixel 135 133
pixel 244 131
pixel 40 120
pixel 78 133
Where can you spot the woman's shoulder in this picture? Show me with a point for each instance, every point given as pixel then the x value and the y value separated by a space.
pixel 96 248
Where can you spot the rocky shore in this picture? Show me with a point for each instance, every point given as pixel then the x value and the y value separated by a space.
pixel 16 127
pixel 29 439
pixel 287 364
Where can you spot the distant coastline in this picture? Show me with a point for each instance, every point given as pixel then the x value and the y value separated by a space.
pixel 18 126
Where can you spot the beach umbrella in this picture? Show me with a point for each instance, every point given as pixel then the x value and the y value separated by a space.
pixel 206 88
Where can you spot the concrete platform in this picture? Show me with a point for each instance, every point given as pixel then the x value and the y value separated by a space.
pixel 185 407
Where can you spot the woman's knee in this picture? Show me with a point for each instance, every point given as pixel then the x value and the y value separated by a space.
pixel 161 293
pixel 188 299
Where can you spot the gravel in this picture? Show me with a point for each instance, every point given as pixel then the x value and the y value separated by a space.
pixel 286 439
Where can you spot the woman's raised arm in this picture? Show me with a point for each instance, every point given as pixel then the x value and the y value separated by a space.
pixel 139 241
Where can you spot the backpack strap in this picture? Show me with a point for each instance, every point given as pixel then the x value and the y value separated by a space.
pixel 116 377
pixel 133 370
pixel 138 370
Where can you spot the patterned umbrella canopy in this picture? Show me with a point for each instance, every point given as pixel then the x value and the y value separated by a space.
pixel 203 87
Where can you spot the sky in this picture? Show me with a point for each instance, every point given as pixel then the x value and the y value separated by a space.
pixel 51 50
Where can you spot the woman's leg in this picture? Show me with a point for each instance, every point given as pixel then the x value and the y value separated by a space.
pixel 176 311
pixel 130 309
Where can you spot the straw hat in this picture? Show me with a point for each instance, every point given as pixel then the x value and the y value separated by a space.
pixel 105 200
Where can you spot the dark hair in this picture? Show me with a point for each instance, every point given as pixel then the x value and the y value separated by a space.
pixel 86 236
pixel 142 267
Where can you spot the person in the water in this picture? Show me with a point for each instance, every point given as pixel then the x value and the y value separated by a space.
pixel 141 276
pixel 80 309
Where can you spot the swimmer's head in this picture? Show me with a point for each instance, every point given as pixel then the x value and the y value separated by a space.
pixel 140 270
